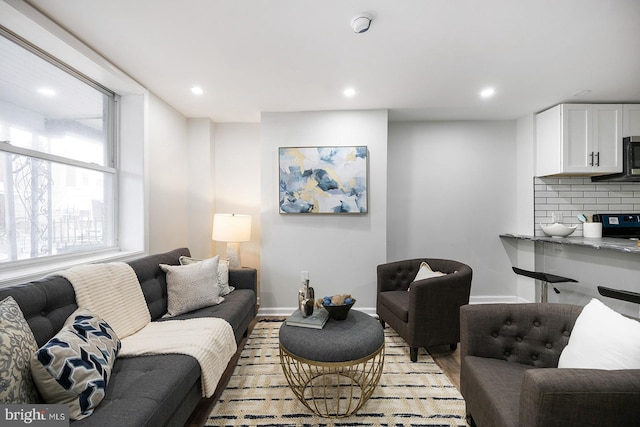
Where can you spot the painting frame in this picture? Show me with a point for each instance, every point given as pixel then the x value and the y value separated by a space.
pixel 323 180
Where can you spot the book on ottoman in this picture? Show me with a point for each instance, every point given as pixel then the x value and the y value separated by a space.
pixel 315 321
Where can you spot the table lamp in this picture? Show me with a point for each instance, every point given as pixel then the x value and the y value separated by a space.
pixel 233 229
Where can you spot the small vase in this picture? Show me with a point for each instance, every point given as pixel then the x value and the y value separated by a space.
pixel 306 299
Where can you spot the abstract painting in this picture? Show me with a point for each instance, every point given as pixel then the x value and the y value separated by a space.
pixel 323 180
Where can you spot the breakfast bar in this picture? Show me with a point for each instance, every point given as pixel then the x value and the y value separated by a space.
pixel 610 262
pixel 611 243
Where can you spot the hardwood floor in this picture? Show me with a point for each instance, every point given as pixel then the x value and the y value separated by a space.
pixel 449 362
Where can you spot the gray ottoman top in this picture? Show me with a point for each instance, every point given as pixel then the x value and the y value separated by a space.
pixel 356 337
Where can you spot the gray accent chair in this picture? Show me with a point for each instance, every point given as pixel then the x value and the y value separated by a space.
pixel 509 371
pixel 429 313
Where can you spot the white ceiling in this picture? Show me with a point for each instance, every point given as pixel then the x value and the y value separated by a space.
pixel 421 59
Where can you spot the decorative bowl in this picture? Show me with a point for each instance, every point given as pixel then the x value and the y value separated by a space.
pixel 339 312
pixel 558 230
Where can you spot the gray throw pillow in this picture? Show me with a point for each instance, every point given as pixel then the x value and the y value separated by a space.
pixel 17 344
pixel 223 273
pixel 192 286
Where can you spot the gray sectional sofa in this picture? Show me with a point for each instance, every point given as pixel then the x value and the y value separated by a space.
pixel 160 390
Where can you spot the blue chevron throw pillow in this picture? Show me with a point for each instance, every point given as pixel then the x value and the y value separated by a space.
pixel 74 367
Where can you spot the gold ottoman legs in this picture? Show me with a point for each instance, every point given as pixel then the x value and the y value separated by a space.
pixel 332 389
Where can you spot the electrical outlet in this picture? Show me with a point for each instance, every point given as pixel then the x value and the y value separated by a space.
pixel 304 275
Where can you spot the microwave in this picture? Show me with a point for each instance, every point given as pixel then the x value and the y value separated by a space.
pixel 630 162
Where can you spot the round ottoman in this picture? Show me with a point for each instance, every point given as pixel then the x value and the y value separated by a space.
pixel 334 370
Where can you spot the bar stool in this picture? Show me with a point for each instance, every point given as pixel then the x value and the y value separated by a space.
pixel 545 278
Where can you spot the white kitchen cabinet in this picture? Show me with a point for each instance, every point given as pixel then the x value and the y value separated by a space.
pixel 631 120
pixel 579 139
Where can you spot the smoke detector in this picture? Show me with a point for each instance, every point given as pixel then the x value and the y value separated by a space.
pixel 361 23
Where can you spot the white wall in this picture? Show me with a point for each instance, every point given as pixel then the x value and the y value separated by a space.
pixel 451 193
pixel 167 185
pixel 201 189
pixel 524 257
pixel 340 252
pixel 237 183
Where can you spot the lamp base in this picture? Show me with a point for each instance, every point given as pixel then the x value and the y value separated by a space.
pixel 233 254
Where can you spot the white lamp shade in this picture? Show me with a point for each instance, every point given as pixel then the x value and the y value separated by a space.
pixel 231 228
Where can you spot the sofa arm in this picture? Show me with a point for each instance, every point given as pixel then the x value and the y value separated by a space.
pixel 531 334
pixel 579 397
pixel 244 278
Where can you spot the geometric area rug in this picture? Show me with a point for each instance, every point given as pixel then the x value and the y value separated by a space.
pixel 408 393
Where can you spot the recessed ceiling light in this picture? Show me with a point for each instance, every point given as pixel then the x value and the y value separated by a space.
pixel 197 90
pixel 488 92
pixel 349 92
pixel 46 91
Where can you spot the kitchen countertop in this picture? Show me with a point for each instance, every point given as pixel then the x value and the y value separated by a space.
pixel 621 245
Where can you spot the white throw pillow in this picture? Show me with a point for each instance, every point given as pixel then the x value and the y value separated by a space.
pixel 74 367
pixel 192 286
pixel 602 339
pixel 425 272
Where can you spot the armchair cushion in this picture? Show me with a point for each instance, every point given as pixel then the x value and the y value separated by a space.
pixel 493 399
pixel 397 302
pixel 602 339
pixel 579 397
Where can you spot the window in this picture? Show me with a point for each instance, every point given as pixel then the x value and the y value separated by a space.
pixel 57 157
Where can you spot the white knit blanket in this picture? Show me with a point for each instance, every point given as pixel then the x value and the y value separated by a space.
pixel 209 340
pixel 111 291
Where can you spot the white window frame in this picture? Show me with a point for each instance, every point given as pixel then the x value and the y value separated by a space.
pixel 111 145
pixel 131 218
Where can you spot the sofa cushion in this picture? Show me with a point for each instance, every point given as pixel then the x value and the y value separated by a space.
pixel 45 303
pixel 153 280
pixel 602 339
pixel 236 307
pixel 147 391
pixel 491 388
pixel 74 367
pixel 17 344
pixel 192 286
pixel 397 302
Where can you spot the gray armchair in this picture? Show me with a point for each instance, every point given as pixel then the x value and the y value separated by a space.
pixel 509 377
pixel 428 314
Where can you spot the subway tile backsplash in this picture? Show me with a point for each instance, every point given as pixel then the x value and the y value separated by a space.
pixel 574 195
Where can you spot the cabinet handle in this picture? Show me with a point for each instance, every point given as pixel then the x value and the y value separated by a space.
pixel 598 158
pixel 591 155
